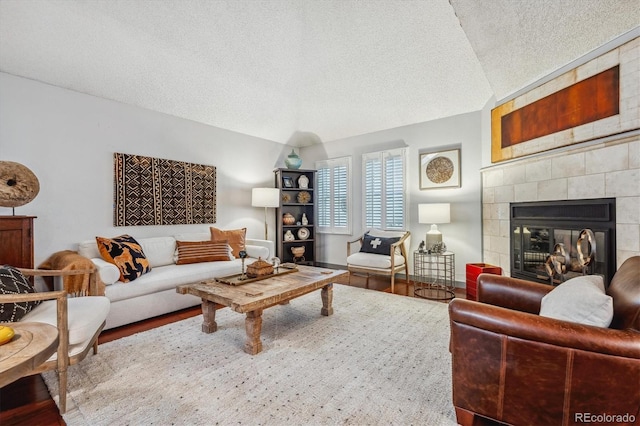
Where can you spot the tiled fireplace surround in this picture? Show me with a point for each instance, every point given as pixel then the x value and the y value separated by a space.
pixel 601 170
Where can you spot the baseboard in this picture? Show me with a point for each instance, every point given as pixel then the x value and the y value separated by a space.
pixel 458 284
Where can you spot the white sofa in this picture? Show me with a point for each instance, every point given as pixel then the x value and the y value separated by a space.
pixel 154 293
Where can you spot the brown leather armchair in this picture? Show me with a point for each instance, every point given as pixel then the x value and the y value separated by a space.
pixel 513 366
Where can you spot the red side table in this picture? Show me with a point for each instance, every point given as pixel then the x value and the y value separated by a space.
pixel 475 269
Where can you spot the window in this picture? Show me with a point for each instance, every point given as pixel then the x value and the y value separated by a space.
pixel 333 195
pixel 384 189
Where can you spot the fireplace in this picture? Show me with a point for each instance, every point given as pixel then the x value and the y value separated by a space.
pixel 544 234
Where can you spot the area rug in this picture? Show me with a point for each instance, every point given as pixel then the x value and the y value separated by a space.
pixel 380 359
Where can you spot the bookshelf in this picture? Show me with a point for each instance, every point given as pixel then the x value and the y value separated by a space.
pixel 297 202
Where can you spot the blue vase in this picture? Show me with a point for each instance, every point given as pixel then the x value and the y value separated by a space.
pixel 293 161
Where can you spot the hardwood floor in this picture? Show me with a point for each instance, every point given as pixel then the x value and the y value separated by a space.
pixel 27 401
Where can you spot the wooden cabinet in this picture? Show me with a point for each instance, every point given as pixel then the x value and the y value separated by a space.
pixel 16 241
pixel 297 203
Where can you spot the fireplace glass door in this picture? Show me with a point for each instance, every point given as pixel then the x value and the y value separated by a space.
pixel 532 245
pixel 551 230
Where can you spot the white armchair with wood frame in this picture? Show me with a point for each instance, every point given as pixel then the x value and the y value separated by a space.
pixel 79 319
pixel 380 253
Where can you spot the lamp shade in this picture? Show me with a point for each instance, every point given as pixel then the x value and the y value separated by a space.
pixel 434 213
pixel 265 197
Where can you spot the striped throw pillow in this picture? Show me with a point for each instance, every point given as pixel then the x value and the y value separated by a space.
pixel 202 251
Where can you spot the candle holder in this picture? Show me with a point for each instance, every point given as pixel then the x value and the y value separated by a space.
pixel 243 256
pixel 276 264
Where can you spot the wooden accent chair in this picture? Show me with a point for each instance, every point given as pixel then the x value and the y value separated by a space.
pixel 79 320
pixel 381 253
pixel 514 366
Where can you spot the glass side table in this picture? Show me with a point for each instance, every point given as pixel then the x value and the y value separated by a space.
pixel 434 275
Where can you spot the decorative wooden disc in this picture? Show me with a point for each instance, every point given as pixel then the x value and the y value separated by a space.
pixel 18 184
pixel 439 170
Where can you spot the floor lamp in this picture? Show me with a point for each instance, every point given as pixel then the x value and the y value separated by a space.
pixel 265 197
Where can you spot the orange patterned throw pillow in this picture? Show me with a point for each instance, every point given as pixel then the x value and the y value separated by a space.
pixel 202 251
pixel 126 253
pixel 235 237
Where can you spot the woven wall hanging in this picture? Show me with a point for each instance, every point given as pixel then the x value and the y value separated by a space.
pixel 155 191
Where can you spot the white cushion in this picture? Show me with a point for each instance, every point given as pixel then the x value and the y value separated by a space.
pixel 257 251
pixel 269 245
pixel 89 249
pixel 109 273
pixel 158 250
pixel 370 260
pixel 85 315
pixel 581 299
pixel 170 276
pixel 194 236
pixel 386 234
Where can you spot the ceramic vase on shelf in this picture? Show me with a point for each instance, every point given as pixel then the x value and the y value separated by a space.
pixel 288 219
pixel 293 161
pixel 305 221
pixel 297 251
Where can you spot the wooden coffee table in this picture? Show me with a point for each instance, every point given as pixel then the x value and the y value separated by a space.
pixel 254 297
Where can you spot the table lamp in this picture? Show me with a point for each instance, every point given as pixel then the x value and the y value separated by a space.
pixel 265 197
pixel 433 214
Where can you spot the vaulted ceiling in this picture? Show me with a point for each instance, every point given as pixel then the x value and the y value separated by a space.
pixel 303 71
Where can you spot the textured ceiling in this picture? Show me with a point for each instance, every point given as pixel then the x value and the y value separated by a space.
pixel 520 41
pixel 303 71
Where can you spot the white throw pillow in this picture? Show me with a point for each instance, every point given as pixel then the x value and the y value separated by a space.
pixel 374 232
pixel 158 250
pixel 581 299
pixel 194 236
pixel 89 249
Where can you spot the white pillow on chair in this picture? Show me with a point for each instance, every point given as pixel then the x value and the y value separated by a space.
pixel 581 300
pixel 374 232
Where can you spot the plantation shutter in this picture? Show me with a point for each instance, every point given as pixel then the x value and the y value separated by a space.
pixel 394 191
pixel 384 189
pixel 334 204
pixel 324 197
pixel 373 192
pixel 340 194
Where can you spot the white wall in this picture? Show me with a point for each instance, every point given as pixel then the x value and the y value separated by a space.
pixel 68 139
pixel 463 235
